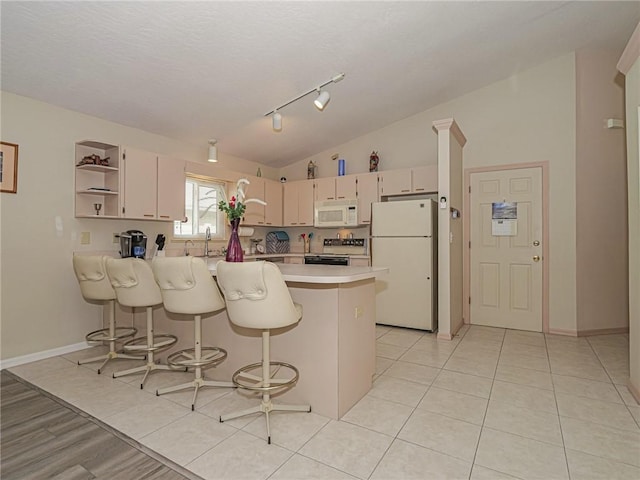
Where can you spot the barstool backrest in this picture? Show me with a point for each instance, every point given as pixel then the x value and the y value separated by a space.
pixel 91 272
pixel 256 295
pixel 186 285
pixel 133 281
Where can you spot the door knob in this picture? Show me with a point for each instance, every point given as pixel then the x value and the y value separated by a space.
pixel 536 243
pixel 536 258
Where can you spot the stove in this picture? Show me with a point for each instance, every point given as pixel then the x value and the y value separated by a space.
pixel 336 251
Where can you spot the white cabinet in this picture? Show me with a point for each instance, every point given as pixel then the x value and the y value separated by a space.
pixel 424 179
pixel 395 182
pixel 367 193
pixel 271 192
pixel 325 188
pixel 346 187
pixel 273 197
pixel 145 179
pixel 409 180
pixel 97 184
pixel 171 186
pixel 298 203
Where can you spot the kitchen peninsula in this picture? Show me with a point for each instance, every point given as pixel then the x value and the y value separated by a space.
pixel 333 346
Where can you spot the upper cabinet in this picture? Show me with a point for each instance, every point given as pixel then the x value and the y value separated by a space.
pixel 271 192
pixel 171 184
pixel 325 188
pixel 424 179
pixel 346 187
pixel 140 192
pixel 366 193
pixel 97 180
pixel 409 180
pixel 395 182
pixel 298 201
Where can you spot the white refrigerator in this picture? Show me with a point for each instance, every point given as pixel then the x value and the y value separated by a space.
pixel 404 239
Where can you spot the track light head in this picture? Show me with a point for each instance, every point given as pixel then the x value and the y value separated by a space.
pixel 276 121
pixel 213 151
pixel 322 99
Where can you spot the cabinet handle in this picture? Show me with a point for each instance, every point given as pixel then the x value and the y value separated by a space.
pixel 293 223
pixel 419 189
pixel 341 197
pixel 148 215
pixel 404 190
pixel 164 216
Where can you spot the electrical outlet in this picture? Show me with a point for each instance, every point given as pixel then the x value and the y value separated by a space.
pixel 358 312
pixel 85 238
pixel 116 238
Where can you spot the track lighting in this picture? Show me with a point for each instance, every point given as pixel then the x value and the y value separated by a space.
pixel 277 122
pixel 320 102
pixel 213 151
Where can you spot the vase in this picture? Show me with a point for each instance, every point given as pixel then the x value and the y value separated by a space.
pixel 234 249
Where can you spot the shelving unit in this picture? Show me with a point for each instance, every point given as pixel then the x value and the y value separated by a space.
pixel 97 183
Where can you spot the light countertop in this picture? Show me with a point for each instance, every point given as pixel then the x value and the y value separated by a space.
pixel 319 273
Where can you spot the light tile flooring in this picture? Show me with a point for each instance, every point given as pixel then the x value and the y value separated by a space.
pixel 491 404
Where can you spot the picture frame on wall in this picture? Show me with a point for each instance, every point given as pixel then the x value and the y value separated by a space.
pixel 8 167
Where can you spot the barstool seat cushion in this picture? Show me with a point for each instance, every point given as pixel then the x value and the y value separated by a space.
pixel 257 295
pixel 187 285
pixel 133 279
pixel 91 272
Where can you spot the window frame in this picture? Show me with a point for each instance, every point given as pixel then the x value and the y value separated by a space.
pixel 200 181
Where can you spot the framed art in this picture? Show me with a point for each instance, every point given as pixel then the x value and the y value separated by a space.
pixel 8 167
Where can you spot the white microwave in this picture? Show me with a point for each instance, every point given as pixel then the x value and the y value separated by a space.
pixel 336 213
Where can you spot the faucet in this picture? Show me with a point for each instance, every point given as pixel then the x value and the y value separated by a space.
pixel 186 249
pixel 207 237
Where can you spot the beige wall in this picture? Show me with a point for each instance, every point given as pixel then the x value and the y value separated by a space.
pixel 601 246
pixel 41 305
pixel 529 117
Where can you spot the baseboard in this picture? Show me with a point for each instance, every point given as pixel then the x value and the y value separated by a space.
pixel 561 331
pixel 444 336
pixel 34 357
pixel 634 390
pixel 602 331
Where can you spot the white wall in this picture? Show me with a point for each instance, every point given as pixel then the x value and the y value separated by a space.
pixel 41 305
pixel 529 117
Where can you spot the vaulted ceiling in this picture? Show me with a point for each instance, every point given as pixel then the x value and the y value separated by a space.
pixel 199 70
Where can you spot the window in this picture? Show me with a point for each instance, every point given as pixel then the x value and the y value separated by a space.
pixel 201 209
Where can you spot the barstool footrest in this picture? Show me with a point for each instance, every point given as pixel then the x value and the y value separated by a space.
pixel 186 358
pixel 160 342
pixel 257 384
pixel 104 335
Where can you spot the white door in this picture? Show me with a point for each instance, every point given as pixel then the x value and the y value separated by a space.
pixel 506 270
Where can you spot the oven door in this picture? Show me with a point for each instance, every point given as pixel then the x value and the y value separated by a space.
pixel 338 260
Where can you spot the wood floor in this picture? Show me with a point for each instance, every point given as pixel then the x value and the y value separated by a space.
pixel 41 438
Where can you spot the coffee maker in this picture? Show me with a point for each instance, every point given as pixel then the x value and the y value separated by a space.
pixel 133 243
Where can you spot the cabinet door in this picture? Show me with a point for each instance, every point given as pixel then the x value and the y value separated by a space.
pixel 140 184
pixel 325 188
pixel 367 194
pixel 395 182
pixel 305 203
pixel 346 187
pixel 171 182
pixel 273 197
pixel 290 204
pixel 425 179
pixel 254 214
pixel 359 262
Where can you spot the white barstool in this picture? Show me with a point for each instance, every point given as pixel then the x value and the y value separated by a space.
pixel 95 287
pixel 133 282
pixel 187 287
pixel 257 297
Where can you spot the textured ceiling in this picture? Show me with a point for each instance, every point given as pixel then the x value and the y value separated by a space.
pixel 199 70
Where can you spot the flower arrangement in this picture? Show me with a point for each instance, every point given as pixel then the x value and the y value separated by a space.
pixel 237 205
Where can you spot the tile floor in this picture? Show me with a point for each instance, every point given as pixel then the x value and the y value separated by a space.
pixel 491 404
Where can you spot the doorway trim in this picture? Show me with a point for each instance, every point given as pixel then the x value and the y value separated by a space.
pixel 466 237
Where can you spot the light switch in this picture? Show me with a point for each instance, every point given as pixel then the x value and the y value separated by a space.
pixel 85 238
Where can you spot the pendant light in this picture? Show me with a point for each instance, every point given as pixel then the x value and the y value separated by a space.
pixel 213 151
